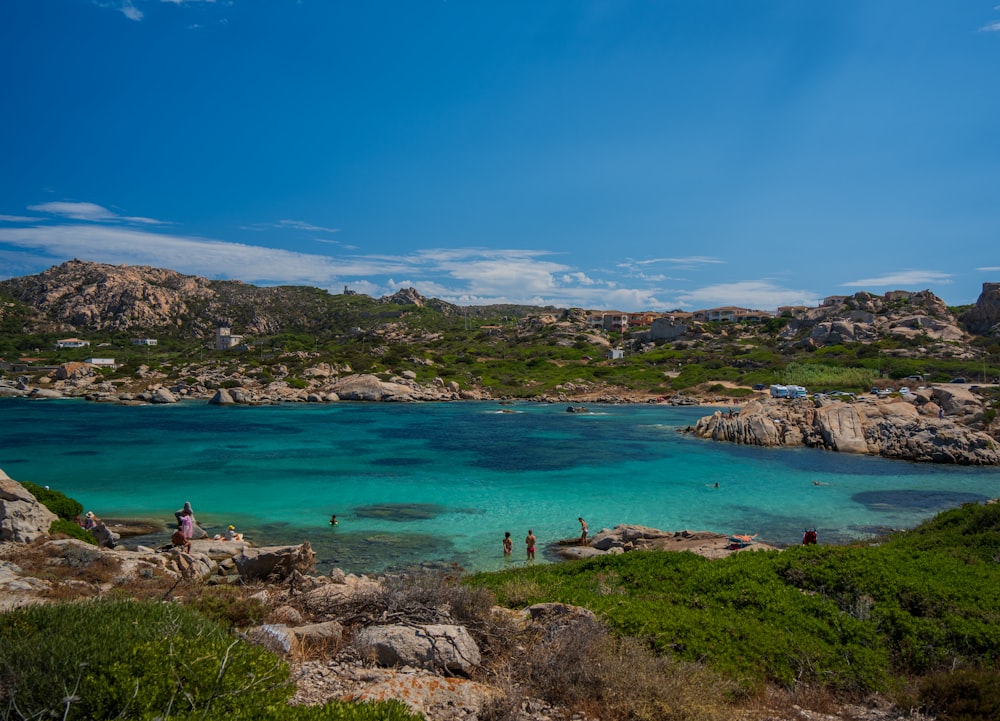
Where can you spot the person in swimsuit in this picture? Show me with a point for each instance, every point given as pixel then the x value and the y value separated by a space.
pixel 583 531
pixel 530 543
pixel 508 544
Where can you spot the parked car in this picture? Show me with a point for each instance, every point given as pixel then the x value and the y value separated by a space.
pixel 959 380
pixel 760 386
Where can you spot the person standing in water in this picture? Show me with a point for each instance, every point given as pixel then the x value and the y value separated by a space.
pixel 530 543
pixel 508 544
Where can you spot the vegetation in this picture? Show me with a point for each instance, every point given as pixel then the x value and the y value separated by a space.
pixel 140 660
pixel 853 619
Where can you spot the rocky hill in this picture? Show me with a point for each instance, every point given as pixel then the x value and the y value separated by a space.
pixel 86 296
pixel 983 318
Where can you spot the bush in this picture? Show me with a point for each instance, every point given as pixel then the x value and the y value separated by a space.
pixel 59 503
pixel 129 660
pixel 71 529
pixel 965 695
pixel 135 660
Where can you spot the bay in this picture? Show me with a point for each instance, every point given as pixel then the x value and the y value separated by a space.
pixel 440 483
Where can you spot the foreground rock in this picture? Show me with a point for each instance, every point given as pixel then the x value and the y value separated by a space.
pixel 22 518
pixel 625 538
pixel 892 428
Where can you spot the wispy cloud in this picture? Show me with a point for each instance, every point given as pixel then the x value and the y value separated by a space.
pixel 990 28
pixel 211 258
pixel 88 211
pixel 901 279
pixel 688 262
pixel 757 294
pixel 990 269
pixel 131 11
pixel 462 275
pixel 16 219
pixel 291 225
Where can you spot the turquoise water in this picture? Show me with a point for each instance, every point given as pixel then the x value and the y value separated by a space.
pixel 440 483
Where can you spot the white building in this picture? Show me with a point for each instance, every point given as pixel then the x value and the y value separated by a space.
pixel 225 340
pixel 72 343
pixel 144 341
pixel 102 362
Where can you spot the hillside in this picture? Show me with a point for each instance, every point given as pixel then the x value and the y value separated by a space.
pixel 288 332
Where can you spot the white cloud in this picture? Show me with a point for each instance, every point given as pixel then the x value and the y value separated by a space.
pixel 210 258
pixel 990 269
pixel 581 278
pixel 302 225
pixel 756 294
pixel 689 262
pixel 87 211
pixel 131 11
pixel 16 219
pixel 991 28
pixel 902 279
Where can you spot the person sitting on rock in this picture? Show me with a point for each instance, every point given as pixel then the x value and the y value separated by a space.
pixel 179 541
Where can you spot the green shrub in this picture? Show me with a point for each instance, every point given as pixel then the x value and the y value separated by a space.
pixel 59 503
pixel 848 618
pixel 71 529
pixel 138 660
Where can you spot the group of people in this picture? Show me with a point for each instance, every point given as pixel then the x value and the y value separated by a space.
pixel 188 528
pixel 531 540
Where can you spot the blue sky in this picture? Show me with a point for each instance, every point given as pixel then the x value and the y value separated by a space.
pixel 598 153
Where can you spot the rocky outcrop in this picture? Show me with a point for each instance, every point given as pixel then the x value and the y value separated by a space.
pixel 275 563
pixel 983 318
pixel 22 518
pixel 435 646
pixel 892 428
pixel 865 318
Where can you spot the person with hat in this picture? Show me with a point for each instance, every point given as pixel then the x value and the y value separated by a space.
pixel 90 522
pixel 230 535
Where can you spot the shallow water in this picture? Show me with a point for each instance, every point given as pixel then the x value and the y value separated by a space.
pixel 439 483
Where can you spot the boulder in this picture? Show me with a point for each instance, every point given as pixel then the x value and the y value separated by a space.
pixel 163 395
pixel 296 639
pixel 275 562
pixel 435 646
pixel 222 398
pixel 842 428
pixel 22 518
pixel 983 318
pixel 956 400
pixel 44 393
pixel 106 538
pixel 362 387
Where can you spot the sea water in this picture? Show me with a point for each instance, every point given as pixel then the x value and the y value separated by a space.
pixel 440 483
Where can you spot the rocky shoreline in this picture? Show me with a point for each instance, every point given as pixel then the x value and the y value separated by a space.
pixel 930 425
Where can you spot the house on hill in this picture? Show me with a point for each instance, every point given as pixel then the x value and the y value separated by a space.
pixel 72 343
pixel 225 340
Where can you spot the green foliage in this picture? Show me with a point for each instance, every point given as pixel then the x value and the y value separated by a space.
pixel 298 383
pixel 56 501
pixel 817 375
pixel 71 529
pixel 131 660
pixel 852 618
pixel 138 660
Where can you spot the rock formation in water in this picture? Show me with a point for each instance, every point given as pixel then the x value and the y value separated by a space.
pixel 892 428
